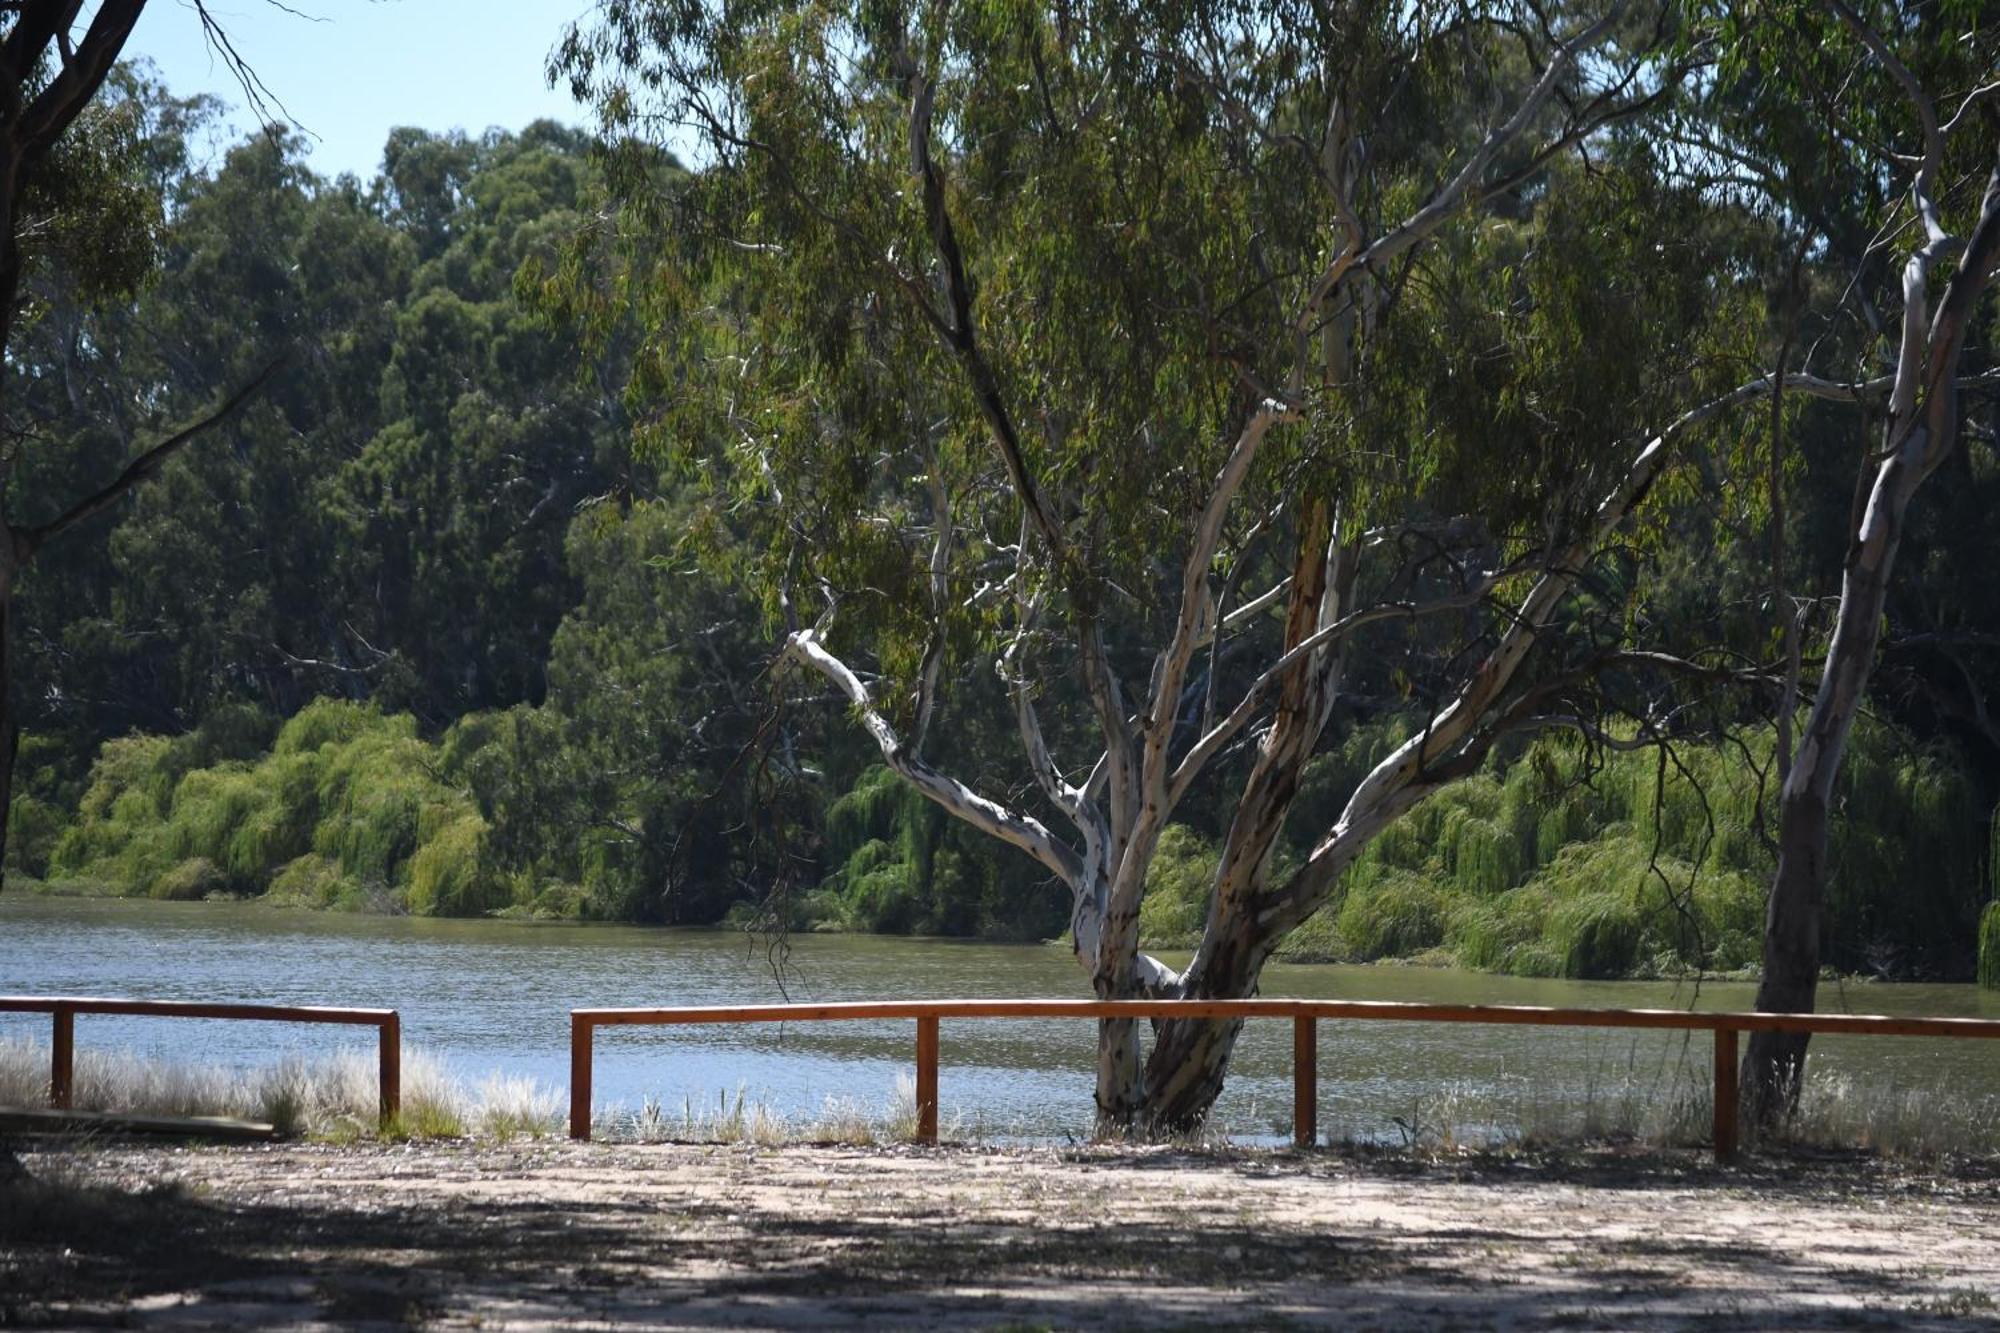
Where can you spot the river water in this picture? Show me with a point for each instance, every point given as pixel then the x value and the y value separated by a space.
pixel 492 996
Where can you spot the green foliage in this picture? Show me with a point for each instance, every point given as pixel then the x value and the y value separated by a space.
pixel 321 723
pixel 1175 907
pixel 445 874
pixel 1561 862
pixel 34 826
pixel 346 809
pixel 371 795
pixel 314 881
pixel 1397 915
pixel 1908 849
pixel 898 864
pixel 1989 946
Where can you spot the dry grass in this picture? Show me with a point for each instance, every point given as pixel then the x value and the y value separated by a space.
pixel 1915 1123
pixel 1675 1109
pixel 736 1118
pixel 333 1097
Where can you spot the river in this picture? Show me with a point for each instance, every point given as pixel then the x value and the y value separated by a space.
pixel 486 996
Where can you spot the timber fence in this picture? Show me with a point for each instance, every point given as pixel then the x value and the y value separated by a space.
pixel 1304 1014
pixel 63 1010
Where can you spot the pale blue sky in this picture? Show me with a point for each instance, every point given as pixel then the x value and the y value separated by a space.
pixel 368 65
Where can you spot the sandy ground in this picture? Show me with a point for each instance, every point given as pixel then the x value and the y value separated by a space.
pixel 546 1235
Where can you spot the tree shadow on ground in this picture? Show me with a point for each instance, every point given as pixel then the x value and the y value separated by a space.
pixel 1802 1175
pixel 75 1252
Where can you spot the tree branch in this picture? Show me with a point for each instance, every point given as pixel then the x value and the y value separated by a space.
pixel 1189 628
pixel 1211 743
pixel 1420 764
pixel 65 96
pixel 1446 199
pixel 30 540
pixel 989 817
pixel 959 329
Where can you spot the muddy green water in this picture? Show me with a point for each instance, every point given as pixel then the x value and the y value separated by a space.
pixel 493 996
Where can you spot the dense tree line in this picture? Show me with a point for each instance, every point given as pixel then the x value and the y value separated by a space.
pixel 495 597
pixel 433 508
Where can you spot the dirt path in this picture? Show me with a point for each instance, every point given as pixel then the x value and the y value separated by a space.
pixel 560 1235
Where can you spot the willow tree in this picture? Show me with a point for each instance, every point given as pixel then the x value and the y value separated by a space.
pixel 1214 372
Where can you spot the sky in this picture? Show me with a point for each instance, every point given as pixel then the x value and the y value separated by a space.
pixel 350 70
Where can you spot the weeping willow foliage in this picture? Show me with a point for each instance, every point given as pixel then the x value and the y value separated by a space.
pixel 901 865
pixel 1989 920
pixel 345 808
pixel 1177 883
pixel 1559 862
pixel 1553 861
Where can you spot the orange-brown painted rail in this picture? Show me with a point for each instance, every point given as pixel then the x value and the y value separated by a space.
pixel 1305 1016
pixel 63 1010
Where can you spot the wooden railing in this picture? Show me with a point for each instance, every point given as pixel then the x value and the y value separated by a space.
pixel 63 1010
pixel 1305 1016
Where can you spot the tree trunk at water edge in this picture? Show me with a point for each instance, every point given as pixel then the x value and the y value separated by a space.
pixel 1774 1062
pixel 1190 1058
pixel 10 728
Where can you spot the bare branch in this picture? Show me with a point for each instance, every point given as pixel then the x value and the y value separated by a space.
pixel 1171 669
pixel 1218 736
pixel 957 799
pixel 30 540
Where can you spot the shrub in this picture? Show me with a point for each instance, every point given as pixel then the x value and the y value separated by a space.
pixel 324 722
pixel 311 880
pixel 346 810
pixel 210 806
pixel 371 793
pixel 898 864
pixel 33 829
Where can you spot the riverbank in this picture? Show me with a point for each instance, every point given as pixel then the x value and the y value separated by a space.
pixel 678 1236
pixel 1310 949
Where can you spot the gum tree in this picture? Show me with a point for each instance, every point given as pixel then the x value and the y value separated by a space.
pixel 1219 374
pixel 1871 130
pixel 75 206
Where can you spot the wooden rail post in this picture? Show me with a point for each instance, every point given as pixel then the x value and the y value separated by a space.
pixel 62 1058
pixel 579 1077
pixel 1725 1093
pixel 389 1069
pixel 1305 1080
pixel 927 1070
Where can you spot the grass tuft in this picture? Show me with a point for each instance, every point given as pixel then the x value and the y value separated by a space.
pixel 736 1118
pixel 333 1097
